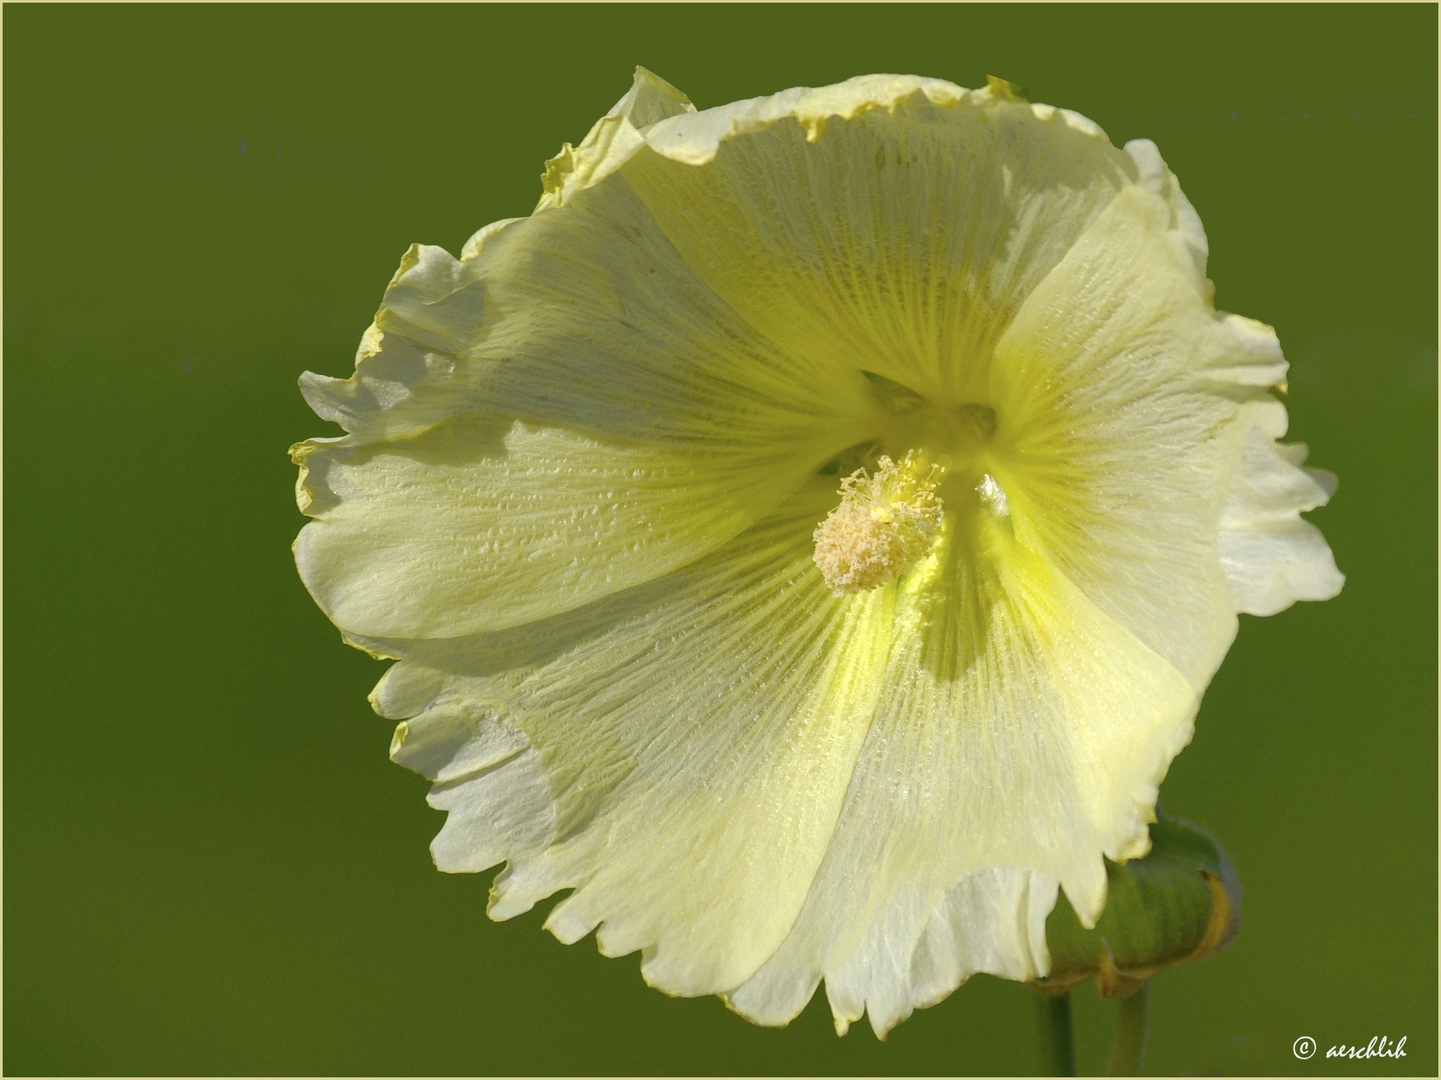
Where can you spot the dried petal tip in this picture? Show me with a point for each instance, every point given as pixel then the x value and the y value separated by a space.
pixel 883 526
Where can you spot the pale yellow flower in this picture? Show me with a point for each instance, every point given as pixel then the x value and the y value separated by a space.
pixel 950 350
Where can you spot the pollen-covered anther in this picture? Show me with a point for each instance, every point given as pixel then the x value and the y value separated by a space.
pixel 884 525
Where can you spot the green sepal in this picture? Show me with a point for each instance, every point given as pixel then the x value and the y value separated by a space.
pixel 1179 903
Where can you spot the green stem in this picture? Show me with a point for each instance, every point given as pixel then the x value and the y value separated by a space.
pixel 1058 1055
pixel 1130 1048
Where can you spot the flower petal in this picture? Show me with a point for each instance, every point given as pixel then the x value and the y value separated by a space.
pixel 695 736
pixel 613 139
pixel 653 424
pixel 1124 407
pixel 1022 734
pixel 708 746
pixel 892 223
pixel 485 522
pixel 1271 557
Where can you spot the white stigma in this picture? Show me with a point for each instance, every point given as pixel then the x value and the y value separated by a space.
pixel 883 526
pixel 994 496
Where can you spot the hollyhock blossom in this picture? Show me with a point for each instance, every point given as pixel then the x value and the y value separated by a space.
pixel 808 535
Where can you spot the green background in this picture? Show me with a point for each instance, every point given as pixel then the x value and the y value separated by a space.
pixel 210 865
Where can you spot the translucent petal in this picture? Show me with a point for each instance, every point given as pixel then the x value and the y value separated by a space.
pixel 891 223
pixel 714 768
pixel 487 522
pixel 1271 557
pixel 564 412
pixel 1125 404
pixel 1022 733
pixel 695 736
pixel 613 139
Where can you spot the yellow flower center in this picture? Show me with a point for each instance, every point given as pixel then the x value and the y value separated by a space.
pixel 888 519
pixel 884 524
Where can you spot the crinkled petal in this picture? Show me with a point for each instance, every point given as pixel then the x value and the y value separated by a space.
pixel 1125 405
pixel 739 792
pixel 893 223
pixel 489 522
pixel 695 737
pixel 613 139
pixel 1022 733
pixel 565 411
pixel 1185 232
pixel 1271 557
